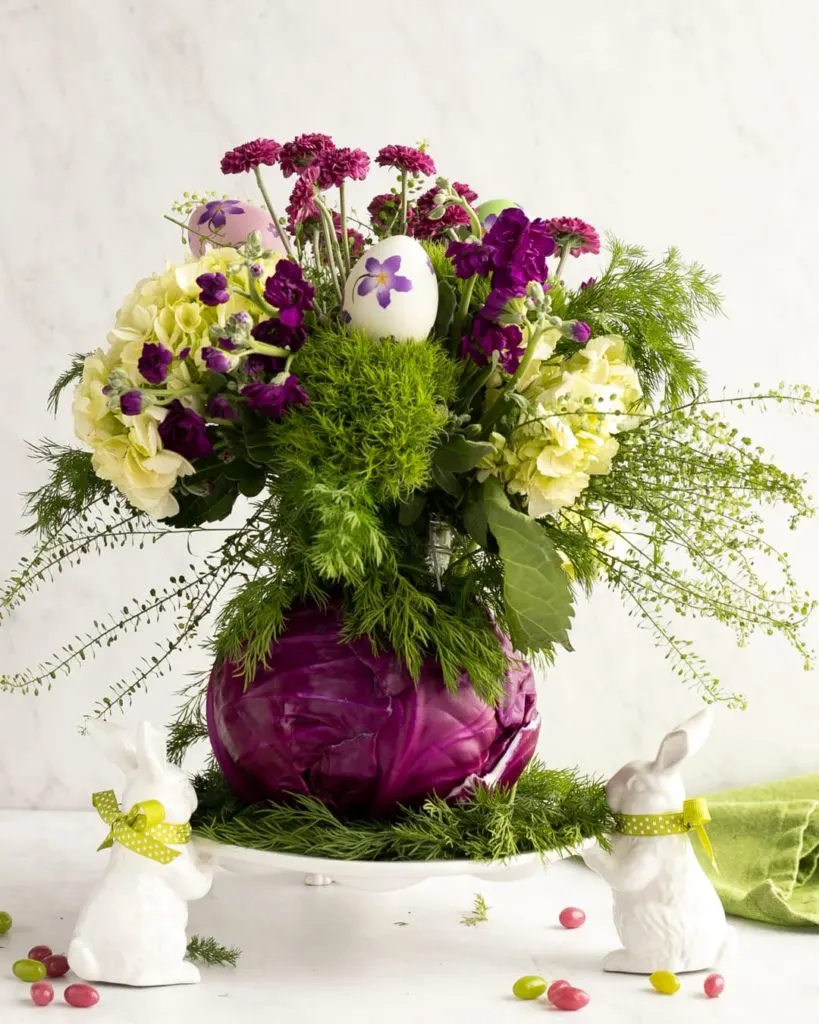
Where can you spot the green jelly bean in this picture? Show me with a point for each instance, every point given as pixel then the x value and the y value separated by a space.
pixel 29 970
pixel 529 987
pixel 5 922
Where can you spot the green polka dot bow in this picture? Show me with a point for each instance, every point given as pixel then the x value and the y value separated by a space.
pixel 693 817
pixel 143 829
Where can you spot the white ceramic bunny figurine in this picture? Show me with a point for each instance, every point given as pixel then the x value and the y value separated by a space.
pixel 132 929
pixel 666 911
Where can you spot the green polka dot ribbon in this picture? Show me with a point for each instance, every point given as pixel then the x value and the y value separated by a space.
pixel 143 829
pixel 693 817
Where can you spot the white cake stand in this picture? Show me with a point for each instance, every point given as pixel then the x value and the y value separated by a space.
pixel 370 876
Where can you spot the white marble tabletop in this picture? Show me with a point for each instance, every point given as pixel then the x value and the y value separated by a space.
pixel 331 955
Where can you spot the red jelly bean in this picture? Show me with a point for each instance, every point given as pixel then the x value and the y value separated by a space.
pixel 39 952
pixel 81 995
pixel 569 998
pixel 555 987
pixel 714 985
pixel 56 965
pixel 41 993
pixel 572 917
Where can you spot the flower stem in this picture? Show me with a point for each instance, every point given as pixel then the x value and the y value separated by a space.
pixel 494 413
pixel 193 231
pixel 327 228
pixel 460 315
pixel 564 255
pixel 279 227
pixel 527 358
pixel 345 241
pixel 403 214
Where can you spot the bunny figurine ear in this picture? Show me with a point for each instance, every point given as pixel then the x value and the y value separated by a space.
pixel 116 742
pixel 151 747
pixel 683 741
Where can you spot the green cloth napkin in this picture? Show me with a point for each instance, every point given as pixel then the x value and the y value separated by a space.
pixel 766 841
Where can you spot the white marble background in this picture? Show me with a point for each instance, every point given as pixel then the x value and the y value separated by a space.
pixel 692 124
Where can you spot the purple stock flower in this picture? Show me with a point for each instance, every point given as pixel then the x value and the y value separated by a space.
pixel 217 211
pixel 274 400
pixel 519 248
pixel 154 361
pixel 581 331
pixel 574 234
pixel 487 338
pixel 383 278
pixel 250 155
pixel 470 258
pixel 219 408
pixel 214 289
pixel 215 360
pixel 289 293
pixel 131 403
pixel 274 332
pixel 497 301
pixel 258 367
pixel 184 431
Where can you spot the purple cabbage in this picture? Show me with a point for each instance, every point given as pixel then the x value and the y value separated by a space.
pixel 352 728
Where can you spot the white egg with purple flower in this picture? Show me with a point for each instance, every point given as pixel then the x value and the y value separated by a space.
pixel 392 291
pixel 229 222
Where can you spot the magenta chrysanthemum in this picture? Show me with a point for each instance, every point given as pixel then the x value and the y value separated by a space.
pixel 406 158
pixel 296 156
pixel 250 155
pixel 337 165
pixel 574 234
pixel 454 216
pixel 302 206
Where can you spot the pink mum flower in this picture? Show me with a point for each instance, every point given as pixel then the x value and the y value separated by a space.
pixel 296 156
pixel 406 158
pixel 574 234
pixel 302 206
pixel 250 155
pixel 336 165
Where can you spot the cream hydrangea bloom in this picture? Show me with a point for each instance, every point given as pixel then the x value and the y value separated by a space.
pixel 164 309
pixel 566 435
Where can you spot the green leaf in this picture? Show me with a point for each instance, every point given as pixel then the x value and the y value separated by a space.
pixel 446 480
pixel 536 589
pixel 475 522
pixel 459 455
pixel 409 510
pixel 447 301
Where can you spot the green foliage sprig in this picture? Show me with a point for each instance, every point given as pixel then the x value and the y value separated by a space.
pixel 202 949
pixel 546 811
pixel 479 912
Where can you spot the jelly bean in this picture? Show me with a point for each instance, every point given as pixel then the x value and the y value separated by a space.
pixel 56 965
pixel 39 952
pixel 556 986
pixel 665 982
pixel 5 922
pixel 29 970
pixel 714 985
pixel 529 987
pixel 81 995
pixel 569 998
pixel 41 993
pixel 572 917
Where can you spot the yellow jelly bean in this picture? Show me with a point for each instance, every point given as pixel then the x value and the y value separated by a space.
pixel 665 982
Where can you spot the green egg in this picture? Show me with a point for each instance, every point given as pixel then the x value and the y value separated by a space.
pixel 5 922
pixel 29 970
pixel 494 207
pixel 529 987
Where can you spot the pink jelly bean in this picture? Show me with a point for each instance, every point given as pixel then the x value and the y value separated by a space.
pixel 41 993
pixel 56 965
pixel 714 985
pixel 572 917
pixel 39 952
pixel 81 995
pixel 556 986
pixel 569 998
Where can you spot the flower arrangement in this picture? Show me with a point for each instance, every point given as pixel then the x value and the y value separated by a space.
pixel 426 428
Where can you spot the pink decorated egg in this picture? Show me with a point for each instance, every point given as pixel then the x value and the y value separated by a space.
pixel 229 222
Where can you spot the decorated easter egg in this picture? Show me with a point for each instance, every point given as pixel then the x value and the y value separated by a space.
pixel 488 212
pixel 392 291
pixel 229 222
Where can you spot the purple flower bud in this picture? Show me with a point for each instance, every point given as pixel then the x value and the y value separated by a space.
pixel 585 284
pixel 581 331
pixel 219 408
pixel 216 361
pixel 154 361
pixel 214 289
pixel 183 355
pixel 131 403
pixel 226 344
pixel 185 432
pixel 241 319
pixel 273 400
pixel 256 270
